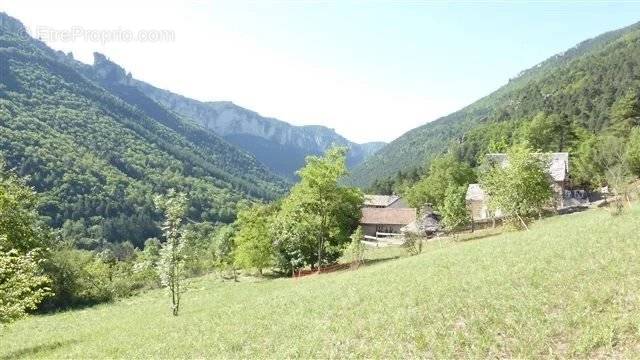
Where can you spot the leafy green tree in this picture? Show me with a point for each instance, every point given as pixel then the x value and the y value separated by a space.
pixel 19 223
pixel 522 188
pixel 319 215
pixel 444 171
pixel 254 246
pixel 548 133
pixel 632 154
pixel 586 171
pixel 610 156
pixel 540 131
pixel 22 284
pixel 222 248
pixel 147 261
pixel 172 260
pixel 454 210
pixel 625 113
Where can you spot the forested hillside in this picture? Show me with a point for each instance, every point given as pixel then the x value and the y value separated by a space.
pixel 99 152
pixel 576 89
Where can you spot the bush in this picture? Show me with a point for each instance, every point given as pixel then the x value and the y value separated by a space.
pixel 412 243
pixel 78 278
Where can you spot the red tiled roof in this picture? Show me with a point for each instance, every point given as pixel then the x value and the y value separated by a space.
pixel 388 216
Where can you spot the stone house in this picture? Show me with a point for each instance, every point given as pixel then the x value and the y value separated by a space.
pixel 386 220
pixel 558 169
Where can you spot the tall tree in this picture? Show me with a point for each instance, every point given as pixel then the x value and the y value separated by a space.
pixel 319 214
pixel 454 210
pixel 253 241
pixel 547 133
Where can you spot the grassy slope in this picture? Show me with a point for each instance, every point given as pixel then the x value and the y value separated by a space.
pixel 568 287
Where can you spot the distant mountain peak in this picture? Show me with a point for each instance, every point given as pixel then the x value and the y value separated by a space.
pixel 109 71
pixel 12 25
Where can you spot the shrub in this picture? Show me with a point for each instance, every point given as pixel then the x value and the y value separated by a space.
pixel 412 243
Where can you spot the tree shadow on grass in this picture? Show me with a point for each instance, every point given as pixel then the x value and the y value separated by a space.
pixel 32 350
pixel 479 236
pixel 380 260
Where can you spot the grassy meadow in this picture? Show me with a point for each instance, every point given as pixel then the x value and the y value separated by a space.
pixel 569 287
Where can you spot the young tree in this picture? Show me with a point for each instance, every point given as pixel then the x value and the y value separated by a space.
pixel 170 267
pixel 222 249
pixel 254 247
pixel 522 188
pixel 355 250
pixel 412 243
pixel 319 214
pixel 611 156
pixel 22 285
pixel 444 171
pixel 454 210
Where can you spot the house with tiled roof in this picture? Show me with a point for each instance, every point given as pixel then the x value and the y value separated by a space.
pixel 386 220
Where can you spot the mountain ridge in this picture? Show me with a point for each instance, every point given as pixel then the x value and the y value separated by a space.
pixel 533 89
pixel 99 153
pixel 279 145
pixel 285 146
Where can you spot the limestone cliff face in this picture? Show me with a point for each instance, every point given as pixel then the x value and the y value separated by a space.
pixel 227 118
pixel 277 144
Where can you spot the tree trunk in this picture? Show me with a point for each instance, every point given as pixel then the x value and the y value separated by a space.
pixel 322 240
pixel 522 221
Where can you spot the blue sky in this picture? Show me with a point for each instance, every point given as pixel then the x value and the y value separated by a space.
pixel 371 70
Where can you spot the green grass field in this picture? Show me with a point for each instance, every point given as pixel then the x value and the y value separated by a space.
pixel 570 287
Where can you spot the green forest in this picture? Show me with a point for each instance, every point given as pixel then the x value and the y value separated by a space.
pixel 97 155
pixel 564 104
